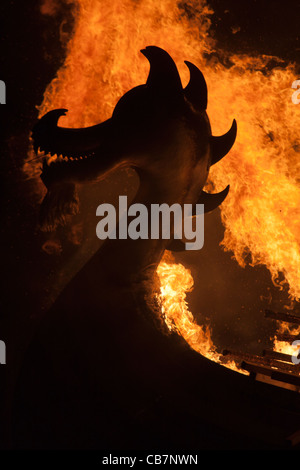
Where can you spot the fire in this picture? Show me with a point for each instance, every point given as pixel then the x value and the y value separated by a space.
pixel 103 61
pixel 175 282
pixel 284 346
pixel 261 215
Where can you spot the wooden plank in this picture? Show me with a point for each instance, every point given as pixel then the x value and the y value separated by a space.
pixel 281 378
pixel 287 378
pixel 278 356
pixel 259 360
pixel 287 338
pixel 256 369
pixel 283 316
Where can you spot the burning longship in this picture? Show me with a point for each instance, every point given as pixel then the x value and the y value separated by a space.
pixel 263 166
pixel 253 168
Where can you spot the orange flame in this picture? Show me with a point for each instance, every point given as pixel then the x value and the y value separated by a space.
pixel 284 346
pixel 261 215
pixel 175 282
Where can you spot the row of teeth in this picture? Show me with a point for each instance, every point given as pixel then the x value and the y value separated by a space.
pixel 55 158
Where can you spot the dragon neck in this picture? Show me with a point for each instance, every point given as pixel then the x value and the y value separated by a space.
pixel 127 261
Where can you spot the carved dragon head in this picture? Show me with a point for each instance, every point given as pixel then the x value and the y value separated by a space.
pixel 160 128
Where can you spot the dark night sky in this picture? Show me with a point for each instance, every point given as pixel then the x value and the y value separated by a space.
pixel 265 27
pixel 30 44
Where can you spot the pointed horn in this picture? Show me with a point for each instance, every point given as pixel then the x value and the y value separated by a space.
pixel 41 129
pixel 221 145
pixel 212 201
pixel 163 72
pixel 196 89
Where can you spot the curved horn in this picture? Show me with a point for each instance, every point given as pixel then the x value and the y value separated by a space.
pixel 163 72
pixel 221 145
pixel 41 129
pixel 212 201
pixel 196 89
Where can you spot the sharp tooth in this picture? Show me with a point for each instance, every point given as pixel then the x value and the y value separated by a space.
pixel 60 158
pixel 51 159
pixel 71 158
pixel 81 158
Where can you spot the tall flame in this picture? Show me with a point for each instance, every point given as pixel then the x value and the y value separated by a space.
pixel 175 282
pixel 261 215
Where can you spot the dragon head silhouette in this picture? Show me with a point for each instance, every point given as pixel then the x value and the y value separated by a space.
pixel 160 128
